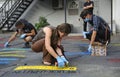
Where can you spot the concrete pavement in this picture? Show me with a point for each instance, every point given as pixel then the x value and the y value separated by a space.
pixel 88 66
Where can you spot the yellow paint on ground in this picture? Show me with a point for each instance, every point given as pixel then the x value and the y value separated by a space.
pixel 115 44
pixel 13 52
pixel 12 55
pixel 45 68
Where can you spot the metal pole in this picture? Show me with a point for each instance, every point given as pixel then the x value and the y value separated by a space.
pixel 65 10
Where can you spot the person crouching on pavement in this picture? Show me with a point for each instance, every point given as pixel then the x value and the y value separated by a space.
pixel 100 31
pixel 49 40
pixel 26 30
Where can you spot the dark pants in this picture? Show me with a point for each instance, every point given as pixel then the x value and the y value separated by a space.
pixel 85 26
pixel 102 36
pixel 39 46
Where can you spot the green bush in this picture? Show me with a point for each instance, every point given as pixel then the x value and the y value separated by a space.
pixel 42 22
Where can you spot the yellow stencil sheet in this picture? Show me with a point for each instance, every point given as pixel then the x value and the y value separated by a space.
pixel 45 68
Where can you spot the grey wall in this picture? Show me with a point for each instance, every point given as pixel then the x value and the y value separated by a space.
pixel 56 17
pixel 116 15
pixel 105 10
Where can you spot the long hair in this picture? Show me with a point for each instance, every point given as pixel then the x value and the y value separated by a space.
pixel 64 28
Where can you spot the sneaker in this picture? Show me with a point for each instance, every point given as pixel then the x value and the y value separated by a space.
pixel 27 45
pixel 46 63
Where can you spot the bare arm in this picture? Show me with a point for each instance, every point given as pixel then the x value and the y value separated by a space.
pixel 58 50
pixel 48 34
pixel 12 38
pixel 93 37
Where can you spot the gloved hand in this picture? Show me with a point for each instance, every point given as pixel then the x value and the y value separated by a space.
pixel 22 36
pixel 6 44
pixel 60 62
pixel 84 34
pixel 89 48
pixel 64 59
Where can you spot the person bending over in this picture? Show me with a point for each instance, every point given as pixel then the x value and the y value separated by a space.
pixel 49 40
pixel 99 32
pixel 26 30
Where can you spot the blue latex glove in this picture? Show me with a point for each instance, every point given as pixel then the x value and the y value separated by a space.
pixel 60 62
pixel 6 44
pixel 84 34
pixel 89 48
pixel 22 36
pixel 64 59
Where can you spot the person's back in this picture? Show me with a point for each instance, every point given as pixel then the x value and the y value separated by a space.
pixel 103 28
pixel 41 34
pixel 27 26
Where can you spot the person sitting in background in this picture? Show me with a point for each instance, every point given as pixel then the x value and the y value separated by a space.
pixel 100 31
pixel 26 30
pixel 49 40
